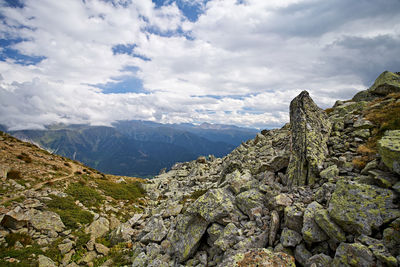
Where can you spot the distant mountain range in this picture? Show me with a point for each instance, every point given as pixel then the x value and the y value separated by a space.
pixel 137 148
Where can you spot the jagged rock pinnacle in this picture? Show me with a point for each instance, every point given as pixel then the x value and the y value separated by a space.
pixel 310 129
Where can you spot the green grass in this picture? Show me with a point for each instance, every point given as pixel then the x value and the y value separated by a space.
pixel 53 252
pixel 24 255
pixel 71 215
pixel 12 238
pixel 14 174
pixel 86 195
pixel 128 191
pixel 17 200
pixel 195 195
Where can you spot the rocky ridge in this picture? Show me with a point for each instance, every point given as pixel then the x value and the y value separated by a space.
pixel 321 191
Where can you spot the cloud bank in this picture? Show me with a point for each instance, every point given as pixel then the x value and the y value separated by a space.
pixel 218 61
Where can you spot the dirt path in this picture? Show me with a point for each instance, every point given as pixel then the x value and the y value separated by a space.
pixel 74 168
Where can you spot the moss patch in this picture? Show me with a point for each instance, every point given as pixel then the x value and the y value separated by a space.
pixel 71 215
pixel 121 191
pixel 85 194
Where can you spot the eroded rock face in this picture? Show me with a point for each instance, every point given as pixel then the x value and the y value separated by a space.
pixel 388 82
pixel 310 129
pixel 389 149
pixel 187 235
pixel 360 208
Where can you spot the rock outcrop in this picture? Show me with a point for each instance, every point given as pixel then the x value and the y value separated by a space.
pixel 310 129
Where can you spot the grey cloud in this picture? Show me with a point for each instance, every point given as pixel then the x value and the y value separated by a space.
pixel 314 18
pixel 366 57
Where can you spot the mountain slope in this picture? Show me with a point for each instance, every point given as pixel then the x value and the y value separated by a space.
pixel 134 148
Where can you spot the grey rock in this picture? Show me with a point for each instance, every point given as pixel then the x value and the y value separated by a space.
pixel 312 233
pixel 351 254
pixel 189 230
pixel 249 200
pixel 310 128
pixel 274 227
pixel 329 227
pixel 301 254
pixel 98 228
pixel 319 260
pixel 100 248
pixel 293 218
pixel 360 208
pixel 156 230
pixel 290 238
pixel 44 261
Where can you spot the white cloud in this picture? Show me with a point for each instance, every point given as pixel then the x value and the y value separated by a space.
pixel 241 62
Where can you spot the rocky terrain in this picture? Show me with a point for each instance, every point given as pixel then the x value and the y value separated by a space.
pixel 321 191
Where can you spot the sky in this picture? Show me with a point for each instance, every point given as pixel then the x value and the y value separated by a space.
pixel 235 62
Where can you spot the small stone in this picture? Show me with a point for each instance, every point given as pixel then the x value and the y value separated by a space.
pixel 88 257
pixel 319 260
pixel 290 238
pixel 140 260
pixel 330 173
pixel 65 247
pixel 46 262
pixel 294 218
pixel 100 248
pixel 98 228
pixel 301 254
pixel 274 226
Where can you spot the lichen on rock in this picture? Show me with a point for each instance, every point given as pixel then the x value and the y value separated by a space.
pixel 310 129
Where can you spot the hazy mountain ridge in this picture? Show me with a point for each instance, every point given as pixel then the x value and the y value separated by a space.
pixel 136 148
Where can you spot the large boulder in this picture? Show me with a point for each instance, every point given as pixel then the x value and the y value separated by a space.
pixel 329 227
pixel 310 129
pixel 15 219
pixel 389 149
pixel 214 205
pixel 355 254
pixel 98 228
pixel 312 233
pixel 360 208
pixel 156 231
pixel 189 230
pixel 388 82
pixel 47 220
pixel 249 200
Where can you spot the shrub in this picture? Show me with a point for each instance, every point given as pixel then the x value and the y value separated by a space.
pixel 14 174
pixel 26 255
pixel 129 190
pixel 24 157
pixel 360 162
pixel 53 252
pixel 67 164
pixel 70 214
pixel 12 238
pixel 86 195
pixel 329 110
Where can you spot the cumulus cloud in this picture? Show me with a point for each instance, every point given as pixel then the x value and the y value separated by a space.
pixel 219 61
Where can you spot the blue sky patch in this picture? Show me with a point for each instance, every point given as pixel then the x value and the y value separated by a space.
pixel 190 9
pixel 9 53
pixel 128 49
pixel 123 85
